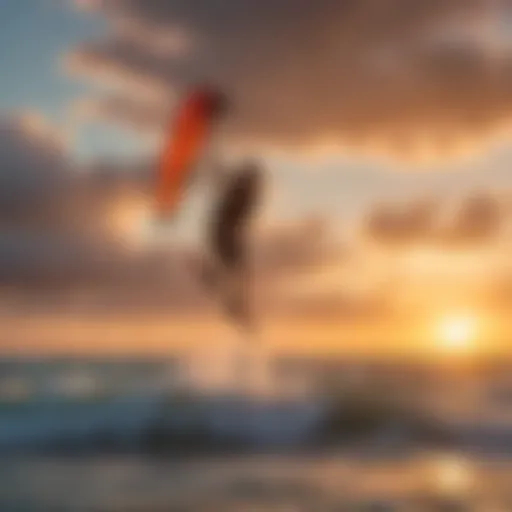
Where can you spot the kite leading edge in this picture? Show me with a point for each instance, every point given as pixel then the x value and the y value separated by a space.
pixel 183 147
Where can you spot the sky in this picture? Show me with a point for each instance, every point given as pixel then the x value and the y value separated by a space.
pixel 383 128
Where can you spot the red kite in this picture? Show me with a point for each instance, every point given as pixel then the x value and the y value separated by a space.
pixel 189 135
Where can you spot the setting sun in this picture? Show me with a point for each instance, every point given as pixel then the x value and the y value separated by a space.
pixel 458 333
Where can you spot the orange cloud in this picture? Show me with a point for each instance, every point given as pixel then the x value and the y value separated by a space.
pixel 479 220
pixel 397 77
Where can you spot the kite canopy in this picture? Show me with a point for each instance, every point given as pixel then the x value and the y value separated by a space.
pixel 187 138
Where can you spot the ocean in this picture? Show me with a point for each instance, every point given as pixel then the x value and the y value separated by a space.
pixel 429 482
pixel 124 435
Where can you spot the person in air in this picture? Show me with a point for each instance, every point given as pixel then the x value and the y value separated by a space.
pixel 226 268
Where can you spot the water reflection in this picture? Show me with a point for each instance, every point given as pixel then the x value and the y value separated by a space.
pixel 432 484
pixel 452 475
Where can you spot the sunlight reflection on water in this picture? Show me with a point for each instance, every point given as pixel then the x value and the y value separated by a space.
pixel 431 483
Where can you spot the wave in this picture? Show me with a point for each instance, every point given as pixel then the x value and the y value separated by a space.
pixel 161 423
pixel 133 406
pixel 157 421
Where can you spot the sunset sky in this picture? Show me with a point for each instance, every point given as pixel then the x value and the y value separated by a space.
pixel 384 130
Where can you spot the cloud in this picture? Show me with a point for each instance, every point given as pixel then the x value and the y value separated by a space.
pixel 62 245
pixel 45 276
pixel 33 174
pixel 504 292
pixel 409 224
pixel 395 76
pixel 297 247
pixel 42 191
pixel 478 220
pixel 62 249
pixel 54 217
pixel 339 306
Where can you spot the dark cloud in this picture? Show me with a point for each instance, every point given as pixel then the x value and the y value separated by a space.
pixel 392 225
pixel 59 251
pixel 34 173
pixel 399 75
pixel 478 220
pixel 300 247
pixel 54 217
pixel 42 192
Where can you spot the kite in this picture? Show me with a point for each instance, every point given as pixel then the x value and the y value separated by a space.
pixel 182 150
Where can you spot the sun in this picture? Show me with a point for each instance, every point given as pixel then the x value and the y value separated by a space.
pixel 458 332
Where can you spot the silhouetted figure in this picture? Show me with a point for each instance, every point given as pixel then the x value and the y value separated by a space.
pixel 228 240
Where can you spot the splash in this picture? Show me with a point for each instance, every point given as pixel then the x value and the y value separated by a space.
pixel 235 365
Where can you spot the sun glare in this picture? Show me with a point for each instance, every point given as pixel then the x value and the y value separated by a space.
pixel 458 333
pixel 450 475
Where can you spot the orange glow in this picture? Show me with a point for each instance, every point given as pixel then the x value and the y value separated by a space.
pixel 128 218
pixel 458 333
